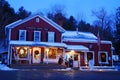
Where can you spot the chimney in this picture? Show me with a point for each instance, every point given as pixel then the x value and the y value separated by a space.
pixel 77 30
pixel 60 22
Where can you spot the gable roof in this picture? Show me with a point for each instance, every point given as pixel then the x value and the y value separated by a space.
pixel 14 24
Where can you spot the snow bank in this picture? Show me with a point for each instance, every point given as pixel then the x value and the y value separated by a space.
pixel 67 69
pixel 4 67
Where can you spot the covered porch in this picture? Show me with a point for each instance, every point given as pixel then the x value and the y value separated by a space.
pixel 79 54
pixel 28 52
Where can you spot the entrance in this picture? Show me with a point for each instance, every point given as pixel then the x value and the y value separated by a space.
pixel 90 58
pixel 76 60
pixel 36 55
pixel 75 57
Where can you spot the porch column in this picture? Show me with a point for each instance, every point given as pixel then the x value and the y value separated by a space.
pixel 47 50
pixel 64 54
pixel 85 57
pixel 8 62
pixel 10 54
pixel 79 63
pixel 29 53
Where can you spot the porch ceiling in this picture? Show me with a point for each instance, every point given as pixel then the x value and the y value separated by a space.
pixel 77 48
pixel 32 43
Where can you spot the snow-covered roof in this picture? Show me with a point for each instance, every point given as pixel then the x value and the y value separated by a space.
pixel 77 48
pixel 78 35
pixel 14 24
pixel 32 43
pixel 86 40
pixel 87 37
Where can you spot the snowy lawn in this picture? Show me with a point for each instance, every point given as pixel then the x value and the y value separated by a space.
pixel 5 67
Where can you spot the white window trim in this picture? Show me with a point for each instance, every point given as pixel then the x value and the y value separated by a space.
pixel 99 57
pixel 53 37
pixel 39 35
pixel 20 33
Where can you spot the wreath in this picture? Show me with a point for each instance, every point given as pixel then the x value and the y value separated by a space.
pixel 22 55
pixel 36 53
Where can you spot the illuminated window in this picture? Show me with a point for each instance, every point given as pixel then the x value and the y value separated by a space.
pixel 52 53
pixel 37 35
pixel 22 51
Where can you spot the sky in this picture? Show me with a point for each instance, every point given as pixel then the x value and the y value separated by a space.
pixel 80 9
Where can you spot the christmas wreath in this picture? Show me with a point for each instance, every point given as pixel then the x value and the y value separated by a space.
pixel 22 55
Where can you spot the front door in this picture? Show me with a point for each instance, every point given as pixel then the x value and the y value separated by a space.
pixel 76 60
pixel 36 55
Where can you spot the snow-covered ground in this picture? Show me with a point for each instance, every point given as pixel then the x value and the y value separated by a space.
pixel 4 67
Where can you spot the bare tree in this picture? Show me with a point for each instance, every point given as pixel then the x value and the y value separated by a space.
pixel 104 22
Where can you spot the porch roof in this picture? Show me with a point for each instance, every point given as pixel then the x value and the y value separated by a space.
pixel 32 43
pixel 77 48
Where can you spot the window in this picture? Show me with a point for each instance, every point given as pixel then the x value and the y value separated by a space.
pixel 52 53
pixel 22 35
pixel 50 36
pixel 22 52
pixel 75 57
pixel 103 57
pixel 37 20
pixel 37 35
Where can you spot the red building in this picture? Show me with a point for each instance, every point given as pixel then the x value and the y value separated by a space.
pixel 38 39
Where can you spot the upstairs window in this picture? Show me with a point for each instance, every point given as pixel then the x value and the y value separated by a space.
pixel 51 37
pixel 22 35
pixel 37 35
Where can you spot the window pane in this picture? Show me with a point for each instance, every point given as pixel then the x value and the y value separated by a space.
pixel 103 57
pixel 37 36
pixel 50 36
pixel 22 35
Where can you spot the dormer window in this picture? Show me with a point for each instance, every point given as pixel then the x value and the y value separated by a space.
pixel 37 20
pixel 37 35
pixel 22 35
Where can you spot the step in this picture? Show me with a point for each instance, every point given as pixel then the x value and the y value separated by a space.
pixel 37 66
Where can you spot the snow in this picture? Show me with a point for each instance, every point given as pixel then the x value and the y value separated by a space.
pixel 77 47
pixel 66 69
pixel 55 44
pixel 5 68
pixel 85 40
pixel 75 34
pixel 91 64
pixel 2 49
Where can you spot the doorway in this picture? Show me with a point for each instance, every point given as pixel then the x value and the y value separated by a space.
pixel 89 58
pixel 36 55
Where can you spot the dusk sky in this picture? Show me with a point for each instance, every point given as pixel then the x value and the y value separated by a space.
pixel 77 8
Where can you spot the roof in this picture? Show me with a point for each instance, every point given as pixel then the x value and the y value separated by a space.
pixel 32 43
pixel 14 24
pixel 85 40
pixel 77 48
pixel 87 37
pixel 76 35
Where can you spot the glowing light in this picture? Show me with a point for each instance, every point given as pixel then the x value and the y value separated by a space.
pixel 72 51
pixel 21 51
